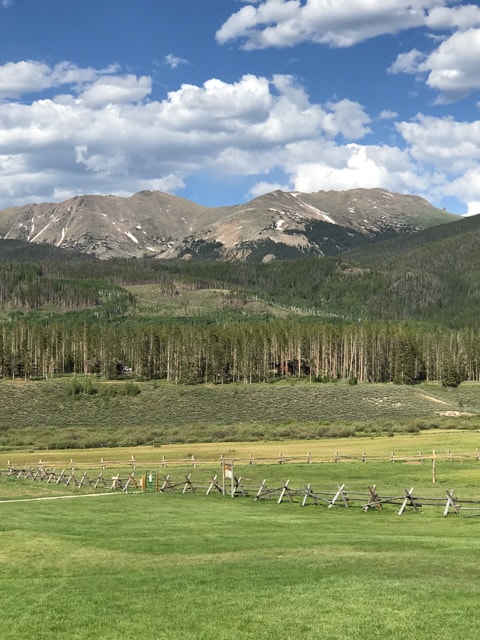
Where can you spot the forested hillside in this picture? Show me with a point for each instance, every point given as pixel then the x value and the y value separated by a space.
pixel 405 312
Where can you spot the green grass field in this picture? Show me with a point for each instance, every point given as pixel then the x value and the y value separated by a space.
pixel 176 566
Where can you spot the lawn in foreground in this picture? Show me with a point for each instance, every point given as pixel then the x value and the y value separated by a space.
pixel 170 566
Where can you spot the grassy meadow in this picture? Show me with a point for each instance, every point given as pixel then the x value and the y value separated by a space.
pixel 44 414
pixel 173 565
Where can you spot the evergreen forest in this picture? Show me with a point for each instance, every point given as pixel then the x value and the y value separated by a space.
pixel 404 310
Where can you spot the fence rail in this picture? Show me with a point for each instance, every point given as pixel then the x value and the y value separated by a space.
pixel 69 476
pixel 234 487
pixel 195 461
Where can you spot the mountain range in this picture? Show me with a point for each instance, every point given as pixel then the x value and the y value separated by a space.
pixel 273 226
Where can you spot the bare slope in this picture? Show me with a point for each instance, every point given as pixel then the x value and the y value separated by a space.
pixel 278 224
pixel 146 223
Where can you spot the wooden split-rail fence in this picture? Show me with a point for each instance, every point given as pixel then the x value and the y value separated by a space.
pixel 194 461
pixel 372 499
pixel 77 478
pixel 82 477
pixel 369 500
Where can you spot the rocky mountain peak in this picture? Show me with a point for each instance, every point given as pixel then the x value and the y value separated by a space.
pixel 274 225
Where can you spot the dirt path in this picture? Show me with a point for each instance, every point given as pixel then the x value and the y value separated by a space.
pixel 432 398
pixel 85 495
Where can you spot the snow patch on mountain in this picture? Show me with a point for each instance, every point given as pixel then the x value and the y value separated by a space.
pixel 319 212
pixel 62 238
pixel 131 236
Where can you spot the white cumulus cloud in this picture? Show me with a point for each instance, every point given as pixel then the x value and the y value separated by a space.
pixel 116 90
pixel 339 23
pixel 408 62
pixel 451 69
pixel 173 61
pixel 104 134
pixel 261 188
pixel 30 76
pixel 462 17
pixel 443 142
pixel 452 150
pixel 355 165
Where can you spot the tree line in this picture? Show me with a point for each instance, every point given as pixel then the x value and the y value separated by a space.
pixel 195 352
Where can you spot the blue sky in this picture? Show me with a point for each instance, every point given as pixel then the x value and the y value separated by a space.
pixel 219 101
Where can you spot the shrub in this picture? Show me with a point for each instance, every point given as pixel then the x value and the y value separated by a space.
pixel 85 388
pixel 108 391
pixel 129 389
